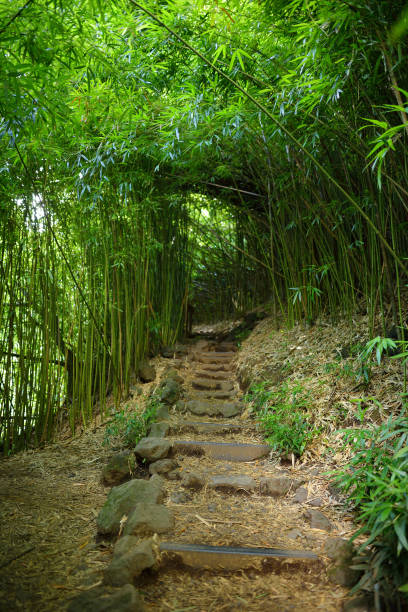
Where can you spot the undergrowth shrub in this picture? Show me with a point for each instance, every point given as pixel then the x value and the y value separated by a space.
pixel 282 415
pixel 376 480
pixel 127 429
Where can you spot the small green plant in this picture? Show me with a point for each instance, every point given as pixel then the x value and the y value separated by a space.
pixel 377 346
pixel 376 479
pixel 128 428
pixel 282 416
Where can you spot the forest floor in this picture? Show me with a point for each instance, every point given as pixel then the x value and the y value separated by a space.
pixel 50 498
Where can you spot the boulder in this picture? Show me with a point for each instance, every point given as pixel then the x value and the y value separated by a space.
pixel 122 500
pixel 163 466
pixel 119 468
pixel 146 372
pixel 235 483
pixel 169 392
pixel 300 495
pixel 276 487
pixel 130 558
pixel 159 430
pixel 193 480
pixel 180 497
pixel 162 413
pixel 318 520
pixel 147 519
pixel 341 552
pixel 103 599
pixel 153 449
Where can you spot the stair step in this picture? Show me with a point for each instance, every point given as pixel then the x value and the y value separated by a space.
pixel 205 427
pixel 230 451
pixel 216 367
pixel 229 557
pixel 212 385
pixel 224 409
pixel 209 394
pixel 214 357
pixel 216 375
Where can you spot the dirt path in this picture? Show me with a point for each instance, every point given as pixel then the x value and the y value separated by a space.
pixel 49 501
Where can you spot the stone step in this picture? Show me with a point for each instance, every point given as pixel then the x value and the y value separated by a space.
pixel 214 357
pixel 229 557
pixel 205 427
pixel 216 367
pixel 225 409
pixel 208 384
pixel 207 395
pixel 230 451
pixel 226 347
pixel 216 375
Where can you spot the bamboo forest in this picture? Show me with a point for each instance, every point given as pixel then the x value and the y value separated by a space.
pixel 204 242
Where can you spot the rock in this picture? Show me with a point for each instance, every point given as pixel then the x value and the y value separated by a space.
pixel 174 475
pixel 122 499
pixel 119 468
pixel 343 575
pixel 130 558
pixel 163 466
pixel 300 495
pixel 153 449
pixel 146 372
pixel 180 497
pixel 339 549
pixel 318 520
pixel 235 482
pixel 212 508
pixel 180 406
pixel 276 487
pixel 178 350
pixel 103 599
pixel 162 413
pixel 211 408
pixel 173 375
pixel 147 519
pixel 193 481
pixel 316 502
pixel 159 430
pixel 169 392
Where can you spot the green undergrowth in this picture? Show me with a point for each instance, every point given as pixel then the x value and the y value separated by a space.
pixel 128 428
pixel 283 415
pixel 376 481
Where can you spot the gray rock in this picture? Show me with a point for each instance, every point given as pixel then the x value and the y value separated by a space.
pixel 173 375
pixel 122 499
pixel 276 487
pixel 192 480
pixel 119 468
pixel 130 558
pixel 153 449
pixel 300 495
pixel 104 599
pixel 180 497
pixel 170 392
pixel 159 430
pixel 339 549
pixel 213 408
pixel 318 520
pixel 316 502
pixel 162 413
pixel 147 519
pixel 146 372
pixel 163 466
pixel 235 482
pixel 293 534
pixel 343 575
pixel 180 406
pixel 174 475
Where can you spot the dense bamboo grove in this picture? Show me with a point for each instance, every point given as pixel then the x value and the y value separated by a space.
pixel 115 132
